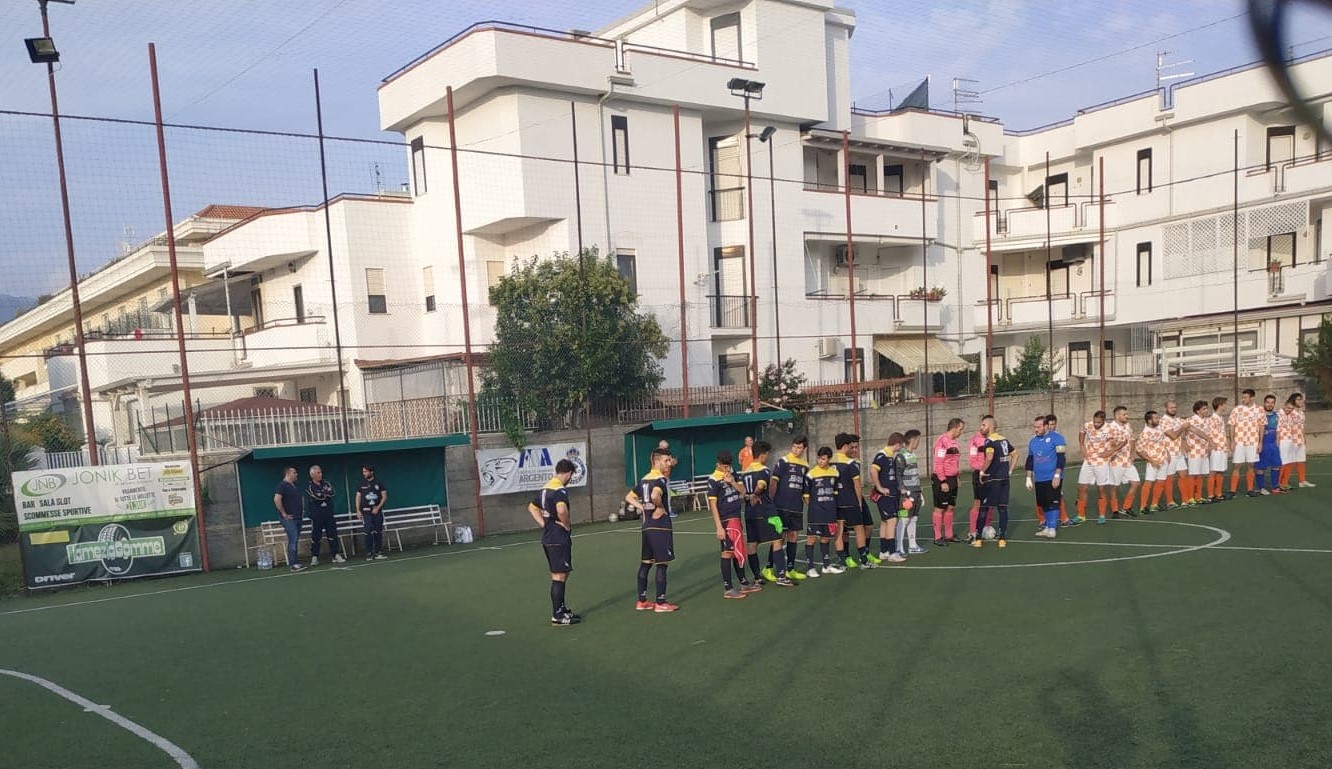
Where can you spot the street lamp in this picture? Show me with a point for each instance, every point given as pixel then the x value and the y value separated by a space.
pixel 750 90
pixel 42 50
pixel 765 136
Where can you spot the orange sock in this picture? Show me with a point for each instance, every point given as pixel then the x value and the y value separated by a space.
pixel 1248 478
pixel 1146 495
pixel 1299 471
pixel 1100 506
pixel 1234 481
pixel 1169 489
pixel 1158 488
pixel 1198 487
pixel 1082 507
pixel 1284 478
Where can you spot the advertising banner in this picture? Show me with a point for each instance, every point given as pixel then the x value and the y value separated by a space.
pixel 78 524
pixel 508 471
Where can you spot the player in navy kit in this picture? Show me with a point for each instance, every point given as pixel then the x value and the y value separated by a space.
pixel 995 479
pixel 789 497
pixel 883 473
pixel 821 486
pixel 724 502
pixel 762 524
pixel 851 508
pixel 652 499
pixel 550 510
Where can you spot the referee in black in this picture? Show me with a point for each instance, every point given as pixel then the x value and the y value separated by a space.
pixel 550 510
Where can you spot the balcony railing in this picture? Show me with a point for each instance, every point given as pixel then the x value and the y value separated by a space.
pixel 730 311
pixel 728 204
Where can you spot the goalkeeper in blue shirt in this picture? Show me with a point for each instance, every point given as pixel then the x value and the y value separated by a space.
pixel 1046 455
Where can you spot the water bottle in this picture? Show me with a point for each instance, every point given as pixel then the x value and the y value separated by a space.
pixel 265 560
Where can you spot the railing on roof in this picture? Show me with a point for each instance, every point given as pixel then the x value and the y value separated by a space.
pixel 867 112
pixel 1243 68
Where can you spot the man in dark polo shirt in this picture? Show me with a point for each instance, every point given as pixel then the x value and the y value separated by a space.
pixel 287 500
pixel 319 503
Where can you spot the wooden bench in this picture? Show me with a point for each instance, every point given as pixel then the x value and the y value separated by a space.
pixel 396 520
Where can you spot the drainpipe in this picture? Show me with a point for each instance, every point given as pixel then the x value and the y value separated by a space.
pixel 605 179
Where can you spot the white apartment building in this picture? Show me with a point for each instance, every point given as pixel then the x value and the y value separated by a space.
pixel 1171 207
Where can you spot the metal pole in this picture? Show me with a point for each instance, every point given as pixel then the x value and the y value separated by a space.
pixel 753 269
pixel 1234 231
pixel 772 205
pixel 851 283
pixel 332 276
pixel 1101 183
pixel 85 390
pixel 925 305
pixel 680 254
pixel 989 293
pixel 578 188
pixel 462 289
pixel 191 438
pixel 1049 296
pixel 582 275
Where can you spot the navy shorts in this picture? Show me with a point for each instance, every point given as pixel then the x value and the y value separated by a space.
pixel 977 488
pixel 943 498
pixel 855 516
pixel 888 507
pixel 559 556
pixel 792 520
pixel 760 530
pixel 995 495
pixel 658 546
pixel 1047 496
pixel 822 530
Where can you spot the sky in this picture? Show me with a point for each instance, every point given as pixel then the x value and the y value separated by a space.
pixel 248 64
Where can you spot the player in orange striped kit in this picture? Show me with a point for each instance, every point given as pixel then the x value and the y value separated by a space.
pixel 1154 447
pixel 1220 446
pixel 1097 443
pixel 1246 428
pixel 1174 427
pixel 1290 439
pixel 1122 468
pixel 1198 450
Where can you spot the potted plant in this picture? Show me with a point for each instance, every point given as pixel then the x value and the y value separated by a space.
pixel 917 293
pixel 936 294
pixel 1274 266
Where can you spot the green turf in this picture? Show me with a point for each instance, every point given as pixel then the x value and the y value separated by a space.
pixel 1192 657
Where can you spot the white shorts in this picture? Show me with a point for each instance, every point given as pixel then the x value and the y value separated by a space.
pixel 1245 455
pixel 1290 453
pixel 1094 475
pixel 1124 475
pixel 1217 461
pixel 1178 464
pixel 1199 466
pixel 1158 472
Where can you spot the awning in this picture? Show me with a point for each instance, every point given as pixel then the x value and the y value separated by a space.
pixel 359 447
pixel 690 423
pixel 910 354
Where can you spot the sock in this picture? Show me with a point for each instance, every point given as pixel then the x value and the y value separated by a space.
pixel 885 545
pixel 556 597
pixel 911 532
pixel 754 564
pixel 791 548
pixel 1260 480
pixel 972 516
pixel 1272 478
pixel 643 569
pixel 1248 478
pixel 1158 489
pixel 1169 489
pixel 1146 495
pixel 661 583
pixel 1299 472
pixel 1285 475
pixel 1100 506
pixel 1082 507
pixel 809 555
pixel 770 562
pixel 1003 522
pixel 825 551
pixel 888 546
pixel 901 537
pixel 1234 481
pixel 863 552
pixel 1051 519
pixel 948 523
pixel 726 572
pixel 1063 511
pixel 778 556
pixel 938 519
pixel 1198 488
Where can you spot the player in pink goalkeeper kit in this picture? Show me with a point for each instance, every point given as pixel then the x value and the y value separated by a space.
pixel 976 461
pixel 947 465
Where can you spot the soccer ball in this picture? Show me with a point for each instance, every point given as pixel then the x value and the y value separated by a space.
pixel 613 518
pixel 989 533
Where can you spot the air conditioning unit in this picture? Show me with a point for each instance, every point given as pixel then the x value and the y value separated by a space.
pixel 1037 196
pixel 1075 254
pixel 829 347
pixel 840 255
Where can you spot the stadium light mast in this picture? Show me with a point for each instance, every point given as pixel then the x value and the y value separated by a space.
pixel 750 90
pixel 42 50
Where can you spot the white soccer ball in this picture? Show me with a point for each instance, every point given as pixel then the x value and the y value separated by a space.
pixel 613 518
pixel 989 533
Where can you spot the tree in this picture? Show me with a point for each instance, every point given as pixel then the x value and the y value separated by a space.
pixel 50 431
pixel 568 332
pixel 1034 370
pixel 781 385
pixel 1314 362
pixel 6 390
pixel 14 450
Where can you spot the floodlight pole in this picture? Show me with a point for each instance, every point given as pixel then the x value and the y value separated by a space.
pixel 753 270
pixel 989 292
pixel 851 283
pixel 85 391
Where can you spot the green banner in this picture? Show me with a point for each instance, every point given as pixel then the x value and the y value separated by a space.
pixel 99 552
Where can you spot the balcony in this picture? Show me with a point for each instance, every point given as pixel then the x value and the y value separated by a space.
pixel 918 314
pixel 1029 224
pixel 1031 312
pixel 873 214
pixel 285 341
pixel 729 311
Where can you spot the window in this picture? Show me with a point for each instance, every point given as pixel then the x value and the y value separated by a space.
pixel 994 284
pixel 257 306
pixel 998 362
pixel 161 293
pixel 726 38
pixel 728 199
pixel 859 368
pixel 1144 265
pixel 1281 250
pixel 308 395
pixel 265 392
pixel 626 264
pixel 1144 171
pixel 1109 347
pixel 1059 279
pixel 858 177
pixel 1079 358
pixel 494 273
pixel 1056 190
pixel 298 303
pixel 620 143
pixel 733 369
pixel 418 166
pixel 374 289
pixel 1280 145
pixel 428 284
pixel 892 179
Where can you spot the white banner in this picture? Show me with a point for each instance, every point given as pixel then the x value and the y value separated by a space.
pixel 75 496
pixel 508 471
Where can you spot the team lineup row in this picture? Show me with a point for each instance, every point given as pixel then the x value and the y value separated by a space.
pixel 831 502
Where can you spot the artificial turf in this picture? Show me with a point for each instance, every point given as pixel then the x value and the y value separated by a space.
pixel 1175 655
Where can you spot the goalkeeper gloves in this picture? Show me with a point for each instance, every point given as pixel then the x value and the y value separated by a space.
pixel 775 521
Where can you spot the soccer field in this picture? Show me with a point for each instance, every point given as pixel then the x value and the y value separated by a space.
pixel 1194 638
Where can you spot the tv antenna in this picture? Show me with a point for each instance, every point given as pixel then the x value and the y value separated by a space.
pixel 377 177
pixel 1163 73
pixel 971 147
pixel 965 91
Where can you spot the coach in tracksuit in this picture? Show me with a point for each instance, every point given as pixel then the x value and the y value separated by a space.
pixel 319 506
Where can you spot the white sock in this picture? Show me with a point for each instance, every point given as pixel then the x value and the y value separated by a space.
pixel 911 530
pixel 901 536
